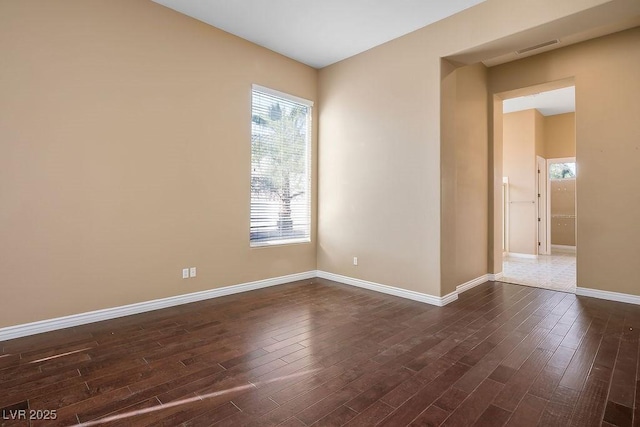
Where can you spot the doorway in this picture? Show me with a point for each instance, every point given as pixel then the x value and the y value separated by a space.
pixel 539 183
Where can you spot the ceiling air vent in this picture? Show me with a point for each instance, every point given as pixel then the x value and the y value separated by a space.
pixel 538 46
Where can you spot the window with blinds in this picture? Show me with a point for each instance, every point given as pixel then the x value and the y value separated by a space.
pixel 280 168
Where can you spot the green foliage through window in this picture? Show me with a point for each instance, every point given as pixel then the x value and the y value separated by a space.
pixel 280 172
pixel 562 170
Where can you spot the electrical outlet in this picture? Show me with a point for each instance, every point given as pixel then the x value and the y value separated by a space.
pixel 355 260
pixel 185 273
pixel 192 272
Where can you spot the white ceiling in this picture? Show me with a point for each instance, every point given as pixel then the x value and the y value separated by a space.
pixel 319 33
pixel 549 103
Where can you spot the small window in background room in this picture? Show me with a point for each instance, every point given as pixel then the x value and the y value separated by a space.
pixel 280 168
pixel 562 170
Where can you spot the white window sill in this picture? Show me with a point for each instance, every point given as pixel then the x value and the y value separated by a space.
pixel 280 242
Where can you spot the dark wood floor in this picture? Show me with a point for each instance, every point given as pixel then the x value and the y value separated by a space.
pixel 320 353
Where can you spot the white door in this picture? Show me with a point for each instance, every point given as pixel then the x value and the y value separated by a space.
pixel 541 203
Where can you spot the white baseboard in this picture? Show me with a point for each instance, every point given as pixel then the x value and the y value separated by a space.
pixel 33 328
pixel 390 290
pixel 127 310
pixel 495 277
pixel 472 283
pixel 519 255
pixel 608 295
pixel 478 281
pixel 563 248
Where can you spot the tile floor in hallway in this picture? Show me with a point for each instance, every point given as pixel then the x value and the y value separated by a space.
pixel 556 271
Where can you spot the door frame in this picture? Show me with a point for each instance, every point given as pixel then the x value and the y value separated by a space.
pixel 506 200
pixel 542 211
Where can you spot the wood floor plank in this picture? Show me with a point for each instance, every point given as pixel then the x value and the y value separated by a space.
pixel 413 407
pixel 547 381
pixel 605 360
pixel 493 416
pixel 528 412
pixel 556 414
pixel 622 390
pixel 581 363
pixel 371 416
pixel 518 385
pixel 432 416
pixel 590 408
pixel 474 405
pixel 337 418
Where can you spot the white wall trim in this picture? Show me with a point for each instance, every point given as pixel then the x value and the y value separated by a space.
pixel 472 283
pixel 608 295
pixel 495 277
pixel 563 248
pixel 506 214
pixel 390 290
pixel 33 328
pixel 447 299
pixel 519 255
pixel 544 247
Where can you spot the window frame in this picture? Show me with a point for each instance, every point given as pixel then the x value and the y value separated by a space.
pixel 562 161
pixel 309 172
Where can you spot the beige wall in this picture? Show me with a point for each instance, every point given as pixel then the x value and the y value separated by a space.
pixel 464 157
pixel 379 195
pixel 560 136
pixel 124 156
pixel 520 139
pixel 375 201
pixel 607 135
pixel 563 212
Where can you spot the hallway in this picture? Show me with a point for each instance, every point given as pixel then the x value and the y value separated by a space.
pixel 556 271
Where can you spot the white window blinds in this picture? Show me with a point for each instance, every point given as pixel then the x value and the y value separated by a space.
pixel 280 168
